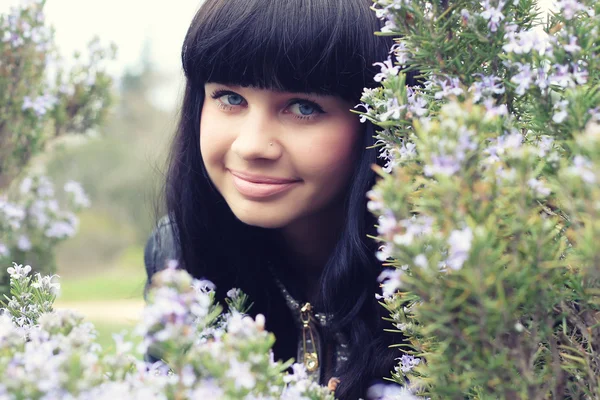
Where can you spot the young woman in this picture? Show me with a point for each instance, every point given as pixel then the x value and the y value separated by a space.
pixel 267 178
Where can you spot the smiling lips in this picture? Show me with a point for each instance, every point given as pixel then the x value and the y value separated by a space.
pixel 256 186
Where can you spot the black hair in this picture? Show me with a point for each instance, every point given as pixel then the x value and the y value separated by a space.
pixel 317 46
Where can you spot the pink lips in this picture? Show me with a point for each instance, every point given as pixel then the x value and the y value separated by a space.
pixel 260 186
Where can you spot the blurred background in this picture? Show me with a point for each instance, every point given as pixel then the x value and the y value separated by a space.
pixel 121 166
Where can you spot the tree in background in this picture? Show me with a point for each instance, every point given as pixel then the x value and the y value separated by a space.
pixel 121 170
pixel 41 100
pixel 489 204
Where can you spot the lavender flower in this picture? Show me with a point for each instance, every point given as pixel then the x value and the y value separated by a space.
pixel 387 70
pixel 486 87
pixel 503 145
pixel 524 42
pixel 383 391
pixel 450 86
pixel 414 227
pixel 400 50
pixel 384 252
pixel 408 363
pixel 448 157
pixel 241 374
pixel 394 110
pixel 539 189
pixel 572 47
pixel 391 281
pixel 61 230
pixel 40 105
pixel 459 244
pixel 583 167
pixel 568 8
pixel 417 104
pixel 421 261
pixel 386 223
pixel 492 14
pixel 23 243
pixel 80 199
pixel 523 78
pixel 18 271
pixel 561 111
pixel 4 252
pixel 562 76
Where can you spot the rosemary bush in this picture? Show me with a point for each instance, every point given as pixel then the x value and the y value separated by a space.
pixel 488 206
pixel 41 100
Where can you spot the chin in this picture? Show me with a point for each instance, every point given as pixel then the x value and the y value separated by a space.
pixel 259 220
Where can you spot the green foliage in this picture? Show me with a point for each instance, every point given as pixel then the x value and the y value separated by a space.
pixel 35 105
pixel 488 205
pixel 41 100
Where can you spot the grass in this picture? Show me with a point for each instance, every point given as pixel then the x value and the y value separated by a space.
pixel 124 281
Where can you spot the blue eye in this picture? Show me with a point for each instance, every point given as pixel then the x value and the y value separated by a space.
pixel 234 99
pixel 306 109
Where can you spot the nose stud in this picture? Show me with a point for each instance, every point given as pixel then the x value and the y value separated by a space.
pixel 270 143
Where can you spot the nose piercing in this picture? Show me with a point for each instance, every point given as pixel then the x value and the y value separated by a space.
pixel 270 143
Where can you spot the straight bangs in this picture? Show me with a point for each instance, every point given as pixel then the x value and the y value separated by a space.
pixel 306 46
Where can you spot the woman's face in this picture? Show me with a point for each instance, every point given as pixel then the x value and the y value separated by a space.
pixel 277 157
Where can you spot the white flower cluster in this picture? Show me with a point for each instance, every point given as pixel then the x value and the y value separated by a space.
pixel 37 213
pixel 50 354
pixel 24 24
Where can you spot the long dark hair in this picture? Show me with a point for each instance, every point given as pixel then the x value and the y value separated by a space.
pixel 326 47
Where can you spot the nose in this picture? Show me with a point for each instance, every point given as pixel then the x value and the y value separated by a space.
pixel 257 137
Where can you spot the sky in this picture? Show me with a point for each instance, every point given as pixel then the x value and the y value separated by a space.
pixel 129 24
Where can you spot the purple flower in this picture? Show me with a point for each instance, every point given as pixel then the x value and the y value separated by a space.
pixel 401 52
pixel 387 70
pixel 523 79
pixel 386 223
pixel 492 14
pixel 505 144
pixel 78 194
pixel 538 187
pixel 41 105
pixel 394 110
pixel 583 168
pixel 390 282
pixel 561 111
pixel 416 104
pixel 562 77
pixel 408 362
pixel 568 8
pixel 4 252
pixel 526 41
pixel 492 110
pixel 60 230
pixel 449 87
pixel 459 247
pixel 486 87
pixel 23 243
pixel 572 46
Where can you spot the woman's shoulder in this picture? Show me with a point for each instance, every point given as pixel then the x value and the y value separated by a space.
pixel 161 246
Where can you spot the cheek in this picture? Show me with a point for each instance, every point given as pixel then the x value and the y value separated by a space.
pixel 334 152
pixel 212 141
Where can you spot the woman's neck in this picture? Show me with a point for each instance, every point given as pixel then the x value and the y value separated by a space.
pixel 308 244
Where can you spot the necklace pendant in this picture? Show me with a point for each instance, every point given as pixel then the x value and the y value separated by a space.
pixel 311 361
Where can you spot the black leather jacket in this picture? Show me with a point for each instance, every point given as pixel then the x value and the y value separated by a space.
pixel 162 247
